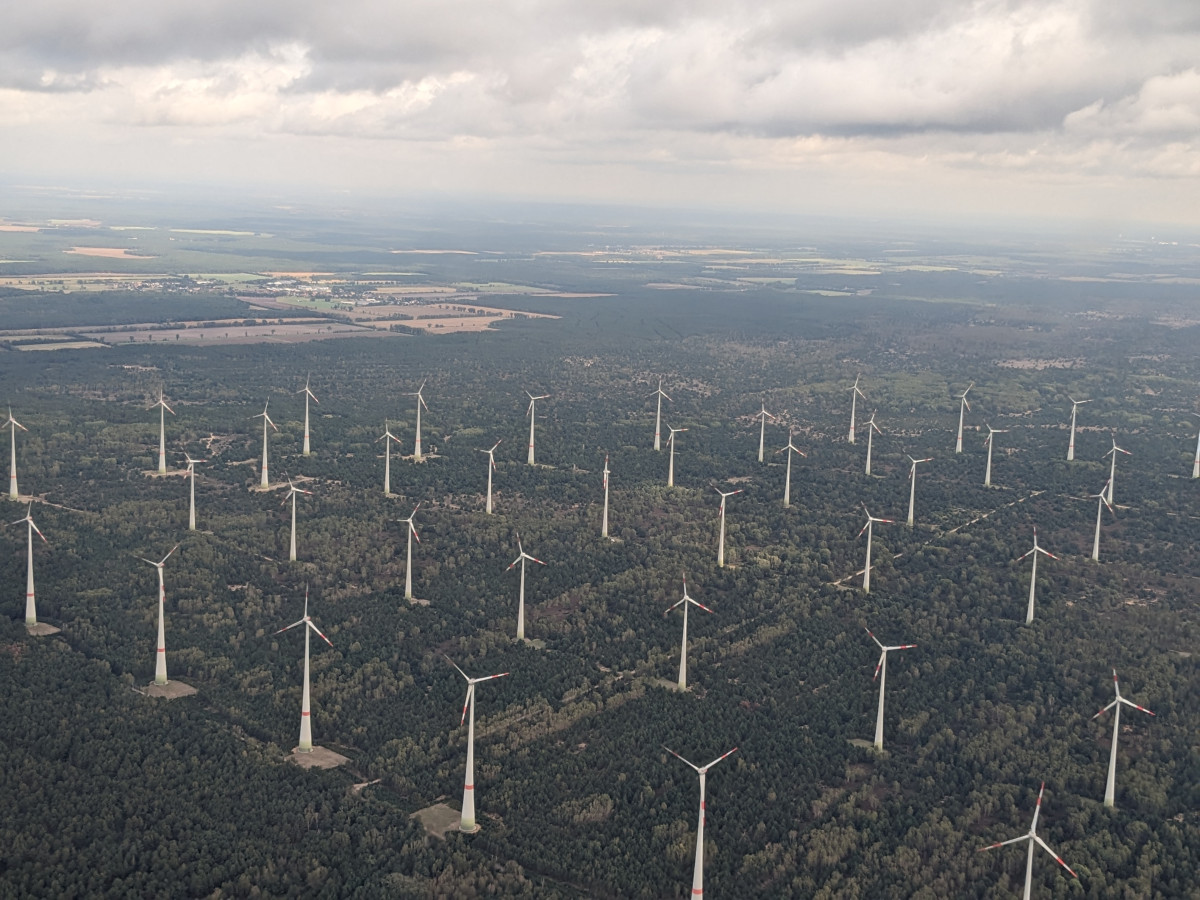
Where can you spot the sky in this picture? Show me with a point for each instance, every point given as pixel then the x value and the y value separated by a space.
pixel 1084 109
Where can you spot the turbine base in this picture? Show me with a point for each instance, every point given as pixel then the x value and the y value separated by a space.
pixel 317 758
pixel 41 629
pixel 172 690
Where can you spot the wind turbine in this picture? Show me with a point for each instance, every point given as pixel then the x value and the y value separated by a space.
pixel 1111 786
pixel 1033 575
pixel 1075 404
pixel 721 516
pixel 12 466
pixel 683 645
pixel 306 744
pixel 1195 465
pixel 163 409
pixel 291 495
pixel 160 662
pixel 698 869
pixel 532 413
pixel 1032 837
pixel 871 520
pixel 912 488
pixel 491 455
pixel 855 393
pixel 191 470
pixel 421 402
pixel 787 481
pixel 307 392
pixel 1112 471
pixel 467 821
pixel 30 599
pixel 521 603
pixel 671 466
pixel 992 432
pixel 412 533
pixel 881 674
pixel 963 408
pixel 762 431
pixel 387 437
pixel 1099 510
pixel 658 414
pixel 604 520
pixel 266 482
pixel 872 428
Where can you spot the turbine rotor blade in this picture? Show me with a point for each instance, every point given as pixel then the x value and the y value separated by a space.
pixel 1058 859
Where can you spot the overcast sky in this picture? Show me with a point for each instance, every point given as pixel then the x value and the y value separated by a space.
pixel 1087 108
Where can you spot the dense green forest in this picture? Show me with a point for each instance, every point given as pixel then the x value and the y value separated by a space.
pixel 112 793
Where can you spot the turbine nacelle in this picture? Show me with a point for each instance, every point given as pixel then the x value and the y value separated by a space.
pixel 29 518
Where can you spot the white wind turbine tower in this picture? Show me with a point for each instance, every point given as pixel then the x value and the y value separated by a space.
pixel 992 432
pixel 604 520
pixel 1103 498
pixel 521 602
pixel 855 393
pixel 160 662
pixel 1111 786
pixel 306 744
pixel 163 409
pixel 872 428
pixel 467 821
pixel 412 533
pixel 1195 465
pixel 762 431
pixel 683 645
pixel 1112 471
pixel 1033 575
pixel 491 455
pixel 912 488
pixel 881 674
pixel 963 408
pixel 266 482
pixel 721 516
pixel 291 495
pixel 658 414
pixel 191 470
pixel 698 869
pixel 1075 404
pixel 12 465
pixel 421 402
pixel 871 520
pixel 532 413
pixel 671 466
pixel 308 394
pixel 387 437
pixel 1032 837
pixel 787 480
pixel 30 599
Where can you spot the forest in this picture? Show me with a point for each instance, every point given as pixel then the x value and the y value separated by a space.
pixel 111 793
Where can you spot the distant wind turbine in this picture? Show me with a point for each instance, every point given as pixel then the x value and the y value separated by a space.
pixel 306 744
pixel 912 488
pixel 698 868
pixel 604 520
pixel 387 437
pixel 291 495
pixel 683 644
pixel 1112 471
pixel 420 403
pixel 762 431
pixel 989 440
pixel 1195 465
pixel 658 415
pixel 467 821
pixel 163 409
pixel 855 393
pixel 266 481
pixel 521 602
pixel 191 470
pixel 671 465
pixel 30 598
pixel 532 413
pixel 1032 838
pixel 160 662
pixel 872 429
pixel 963 408
pixel 1111 786
pixel 721 516
pixel 1075 404
pixel 787 480
pixel 881 674
pixel 871 520
pixel 12 466
pixel 1103 498
pixel 307 392
pixel 1033 575
pixel 491 455
pixel 412 533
